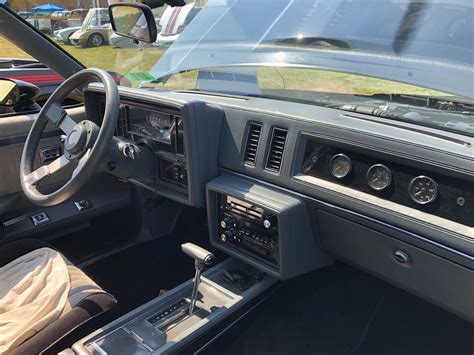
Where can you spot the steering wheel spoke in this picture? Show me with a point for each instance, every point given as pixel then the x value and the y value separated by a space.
pixel 36 176
pixel 82 161
pixel 58 116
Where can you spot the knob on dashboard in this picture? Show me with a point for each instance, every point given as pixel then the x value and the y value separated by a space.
pixel 227 235
pixel 228 222
pixel 269 222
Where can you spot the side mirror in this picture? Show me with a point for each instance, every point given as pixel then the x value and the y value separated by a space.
pixel 133 20
pixel 14 93
pixel 9 93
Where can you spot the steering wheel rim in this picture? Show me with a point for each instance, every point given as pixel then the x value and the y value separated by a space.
pixel 85 142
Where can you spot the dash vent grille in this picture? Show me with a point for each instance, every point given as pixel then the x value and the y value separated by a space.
pixel 275 153
pixel 253 139
pixel 122 125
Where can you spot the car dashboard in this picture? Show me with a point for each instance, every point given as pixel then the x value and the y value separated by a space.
pixel 289 187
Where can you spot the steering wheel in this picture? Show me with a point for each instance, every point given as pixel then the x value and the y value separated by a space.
pixel 85 142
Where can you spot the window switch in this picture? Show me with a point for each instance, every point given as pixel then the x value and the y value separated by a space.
pixel 40 218
pixel 83 204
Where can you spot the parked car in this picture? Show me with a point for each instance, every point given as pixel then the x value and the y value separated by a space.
pixel 95 29
pixel 79 12
pixel 125 42
pixel 61 14
pixel 173 22
pixel 25 14
pixel 64 34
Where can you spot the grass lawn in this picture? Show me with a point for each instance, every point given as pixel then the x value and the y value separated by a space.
pixel 124 61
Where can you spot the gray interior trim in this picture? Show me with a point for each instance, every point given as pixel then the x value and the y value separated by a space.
pixel 299 245
pixel 213 282
pixel 429 276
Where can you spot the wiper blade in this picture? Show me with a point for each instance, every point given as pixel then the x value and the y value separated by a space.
pixel 404 114
pixel 315 42
pixel 445 103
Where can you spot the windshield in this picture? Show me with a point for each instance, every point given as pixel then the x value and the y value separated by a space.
pixel 398 59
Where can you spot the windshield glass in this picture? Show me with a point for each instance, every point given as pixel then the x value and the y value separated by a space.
pixel 399 59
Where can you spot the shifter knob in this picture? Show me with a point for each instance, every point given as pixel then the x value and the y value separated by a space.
pixel 201 256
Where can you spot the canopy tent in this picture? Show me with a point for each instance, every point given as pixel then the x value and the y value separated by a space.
pixel 47 8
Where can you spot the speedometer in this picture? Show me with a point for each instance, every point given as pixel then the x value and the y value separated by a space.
pixel 423 190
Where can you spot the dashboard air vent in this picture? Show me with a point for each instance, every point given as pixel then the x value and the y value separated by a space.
pixel 275 154
pixel 122 124
pixel 253 138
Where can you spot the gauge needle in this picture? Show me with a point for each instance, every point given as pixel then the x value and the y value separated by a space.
pixel 375 180
pixel 418 193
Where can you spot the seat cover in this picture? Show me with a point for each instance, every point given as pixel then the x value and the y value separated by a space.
pixel 34 290
pixel 81 287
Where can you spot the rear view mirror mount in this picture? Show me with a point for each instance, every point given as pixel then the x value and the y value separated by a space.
pixel 133 20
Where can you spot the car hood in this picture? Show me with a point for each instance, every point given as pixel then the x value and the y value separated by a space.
pixel 66 30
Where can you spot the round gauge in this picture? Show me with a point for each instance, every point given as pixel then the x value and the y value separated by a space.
pixel 423 190
pixel 379 177
pixel 340 166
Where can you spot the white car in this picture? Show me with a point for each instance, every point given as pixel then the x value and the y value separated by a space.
pixel 125 42
pixel 61 14
pixel 173 22
pixel 64 34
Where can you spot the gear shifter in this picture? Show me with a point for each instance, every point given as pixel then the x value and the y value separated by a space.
pixel 202 258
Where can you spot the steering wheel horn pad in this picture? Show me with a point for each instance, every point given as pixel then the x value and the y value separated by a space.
pixel 86 144
pixel 80 139
pixel 76 139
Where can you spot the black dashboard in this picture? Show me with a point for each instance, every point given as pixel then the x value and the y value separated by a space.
pixel 410 186
pixel 287 186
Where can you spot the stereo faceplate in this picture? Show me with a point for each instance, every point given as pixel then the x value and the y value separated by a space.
pixel 263 225
pixel 248 227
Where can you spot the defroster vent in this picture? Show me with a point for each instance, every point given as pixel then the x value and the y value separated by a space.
pixel 253 138
pixel 277 146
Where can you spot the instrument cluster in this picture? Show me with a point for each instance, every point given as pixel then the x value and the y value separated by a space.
pixel 422 189
pixel 425 190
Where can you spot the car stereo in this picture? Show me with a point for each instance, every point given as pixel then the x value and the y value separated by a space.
pixel 250 228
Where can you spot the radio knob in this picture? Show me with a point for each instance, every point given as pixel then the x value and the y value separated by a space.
pixel 227 235
pixel 228 222
pixel 269 222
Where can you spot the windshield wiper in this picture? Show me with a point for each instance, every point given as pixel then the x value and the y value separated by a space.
pixel 404 114
pixel 313 42
pixel 446 103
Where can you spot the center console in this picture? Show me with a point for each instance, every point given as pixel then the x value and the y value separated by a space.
pixel 268 232
pixel 165 325
pixel 265 227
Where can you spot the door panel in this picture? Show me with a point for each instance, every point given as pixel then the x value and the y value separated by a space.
pixel 13 133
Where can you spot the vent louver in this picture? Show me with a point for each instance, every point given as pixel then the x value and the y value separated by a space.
pixel 253 138
pixel 122 124
pixel 275 154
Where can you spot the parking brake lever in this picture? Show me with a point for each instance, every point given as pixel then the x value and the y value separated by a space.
pixel 202 258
